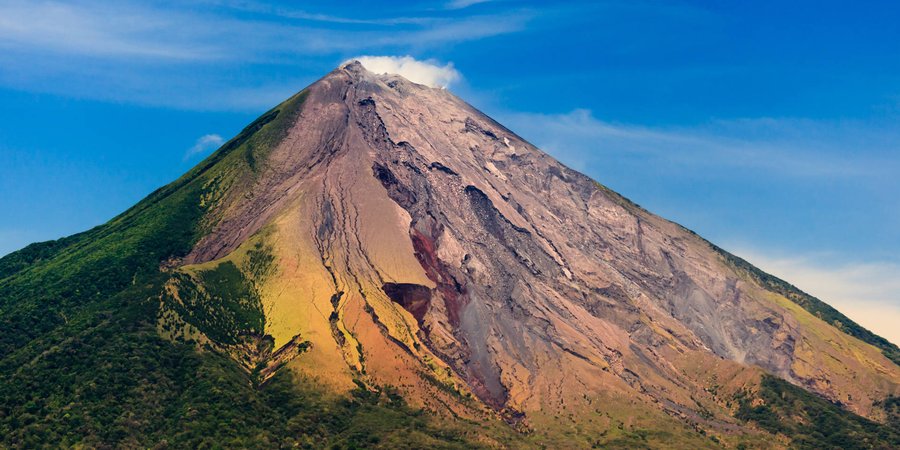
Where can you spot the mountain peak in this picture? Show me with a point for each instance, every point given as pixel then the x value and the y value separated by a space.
pixel 356 71
pixel 377 233
pixel 354 67
pixel 395 71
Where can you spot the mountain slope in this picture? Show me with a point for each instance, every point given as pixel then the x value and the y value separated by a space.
pixel 375 239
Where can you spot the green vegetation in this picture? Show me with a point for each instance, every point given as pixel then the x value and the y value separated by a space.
pixel 32 254
pixel 92 267
pixel 812 422
pixel 220 302
pixel 891 407
pixel 260 262
pixel 631 438
pixel 110 380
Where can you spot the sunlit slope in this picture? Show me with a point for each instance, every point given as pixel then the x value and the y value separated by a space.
pixel 87 360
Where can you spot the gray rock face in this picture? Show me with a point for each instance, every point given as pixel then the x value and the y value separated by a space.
pixel 539 283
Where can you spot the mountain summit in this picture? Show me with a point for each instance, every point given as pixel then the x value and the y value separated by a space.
pixel 372 248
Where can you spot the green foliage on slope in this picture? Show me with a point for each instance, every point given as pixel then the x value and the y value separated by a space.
pixel 812 422
pixel 93 267
pixel 891 407
pixel 221 302
pixel 32 254
pixel 109 380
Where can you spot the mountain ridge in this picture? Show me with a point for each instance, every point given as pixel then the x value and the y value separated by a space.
pixel 807 301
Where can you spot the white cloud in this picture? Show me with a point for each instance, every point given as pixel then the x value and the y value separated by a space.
pixel 428 72
pixel 204 144
pixel 868 292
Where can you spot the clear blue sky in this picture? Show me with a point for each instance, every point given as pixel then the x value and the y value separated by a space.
pixel 771 128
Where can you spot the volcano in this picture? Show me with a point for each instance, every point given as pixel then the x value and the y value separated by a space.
pixel 376 263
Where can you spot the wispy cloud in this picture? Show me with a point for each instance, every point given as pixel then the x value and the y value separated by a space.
pixel 429 72
pixel 203 145
pixel 460 4
pixel 113 31
pixel 127 29
pixel 164 54
pixel 794 147
pixel 867 292
pixel 305 15
pixel 445 31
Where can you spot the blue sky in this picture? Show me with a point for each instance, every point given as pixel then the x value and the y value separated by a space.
pixel 771 129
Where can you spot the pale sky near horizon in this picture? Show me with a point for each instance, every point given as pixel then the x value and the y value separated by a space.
pixel 773 130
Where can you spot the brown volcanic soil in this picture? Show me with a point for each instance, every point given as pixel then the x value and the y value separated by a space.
pixel 421 244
